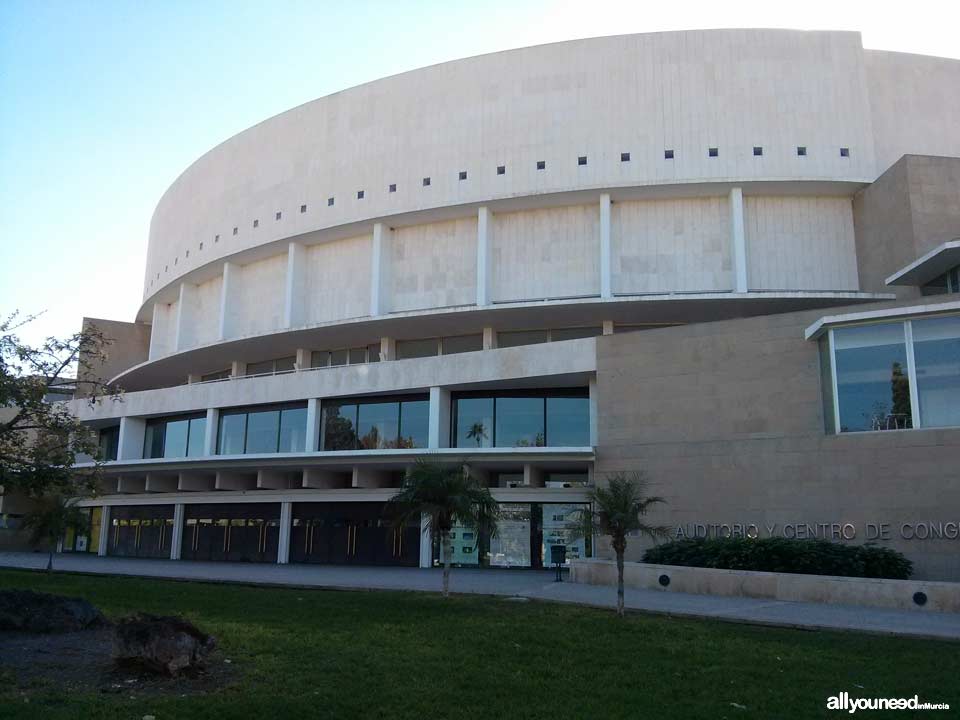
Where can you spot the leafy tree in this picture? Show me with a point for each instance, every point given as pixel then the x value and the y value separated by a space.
pixel 40 439
pixel 447 496
pixel 617 510
pixel 49 520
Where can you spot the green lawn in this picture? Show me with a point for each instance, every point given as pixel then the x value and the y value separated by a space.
pixel 312 653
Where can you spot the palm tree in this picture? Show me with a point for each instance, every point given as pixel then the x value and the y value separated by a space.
pixel 478 432
pixel 617 510
pixel 49 520
pixel 448 496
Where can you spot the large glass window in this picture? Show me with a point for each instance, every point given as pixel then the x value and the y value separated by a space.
pixel 557 418
pixel 175 437
pixel 407 349
pixel 461 344
pixel 263 430
pixel 936 349
pixel 557 523
pixel 510 547
pixel 892 375
pixel 374 424
pixel 109 441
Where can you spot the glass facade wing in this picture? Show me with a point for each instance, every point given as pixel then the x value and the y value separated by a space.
pixel 936 348
pixel 519 422
pixel 568 421
pixel 263 431
pixel 232 433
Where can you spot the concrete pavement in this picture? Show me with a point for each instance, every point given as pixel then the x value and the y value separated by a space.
pixel 536 585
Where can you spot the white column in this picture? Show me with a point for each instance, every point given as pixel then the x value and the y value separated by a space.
pixel 176 541
pixel 483 256
pixel 607 327
pixel 532 476
pixel 738 242
pixel 286 520
pixel 439 422
pixel 593 411
pixel 606 277
pixel 388 348
pixel 238 368
pixel 105 528
pixel 130 445
pixel 230 272
pixel 155 349
pixel 210 435
pixel 376 269
pixel 489 338
pixel 296 284
pixel 426 543
pixel 303 359
pixel 183 333
pixel 313 425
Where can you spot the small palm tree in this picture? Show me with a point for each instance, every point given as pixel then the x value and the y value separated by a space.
pixel 477 432
pixel 448 496
pixel 616 510
pixel 49 520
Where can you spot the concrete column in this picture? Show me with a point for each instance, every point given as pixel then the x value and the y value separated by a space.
pixel 176 541
pixel 193 378
pixel 184 331
pixel 388 349
pixel 132 432
pixel 238 368
pixel 483 256
pixel 105 528
pixel 230 278
pixel 303 359
pixel 380 237
pixel 489 338
pixel 608 327
pixel 426 543
pixel 439 422
pixel 210 436
pixel 155 348
pixel 286 521
pixel 593 405
pixel 532 476
pixel 606 275
pixel 738 242
pixel 313 426
pixel 296 284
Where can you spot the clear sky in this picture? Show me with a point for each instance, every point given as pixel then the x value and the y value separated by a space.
pixel 103 104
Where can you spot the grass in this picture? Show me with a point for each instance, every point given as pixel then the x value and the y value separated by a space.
pixel 315 653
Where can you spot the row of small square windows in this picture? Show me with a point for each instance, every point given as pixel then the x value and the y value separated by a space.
pixel 502 170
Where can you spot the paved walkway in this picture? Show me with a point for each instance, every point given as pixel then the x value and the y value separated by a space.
pixel 531 584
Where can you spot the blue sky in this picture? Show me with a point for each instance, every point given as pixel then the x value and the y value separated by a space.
pixel 103 104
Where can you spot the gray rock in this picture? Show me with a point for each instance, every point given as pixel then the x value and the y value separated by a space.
pixel 34 612
pixel 166 645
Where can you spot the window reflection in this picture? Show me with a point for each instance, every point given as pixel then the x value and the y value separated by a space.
pixel 936 348
pixel 374 425
pixel 519 422
pixel 176 437
pixel 553 418
pixel 510 547
pixel 872 385
pixel 270 430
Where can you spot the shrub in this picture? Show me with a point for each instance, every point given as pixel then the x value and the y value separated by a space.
pixel 786 555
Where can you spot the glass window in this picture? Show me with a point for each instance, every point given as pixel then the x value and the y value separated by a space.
pixel 568 421
pixel 872 385
pixel 218 375
pixel 373 353
pixel 338 357
pixel 378 425
pixel 513 338
pixel 519 422
pixel 233 429
pixel 462 344
pixel 260 368
pixel 319 358
pixel 510 547
pixel 414 423
pixel 936 352
pixel 557 520
pixel 293 430
pixel 109 443
pixel 463 546
pixel 153 440
pixel 826 386
pixel 561 334
pixel 339 421
pixel 474 422
pixel 197 437
pixel 407 349
pixel 285 364
pixel 357 356
pixel 263 429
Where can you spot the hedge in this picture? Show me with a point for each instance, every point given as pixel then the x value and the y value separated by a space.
pixel 786 555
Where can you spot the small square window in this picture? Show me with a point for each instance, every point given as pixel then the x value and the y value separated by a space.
pixel 668 154
pixel 393 187
pixel 216 238
pixel 329 202
pixel 426 181
pixel 463 174
pixel 844 152
pixel 801 150
pixel 501 169
pixel 278 215
pixel 541 165
pixel 201 245
pixel 236 230
pixel 256 223
pixel 624 157
pixel 359 194
pixel 713 152
pixel 757 151
pixel 303 209
pixel 582 160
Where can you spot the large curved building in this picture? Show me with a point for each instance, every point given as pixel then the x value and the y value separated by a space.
pixel 626 253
